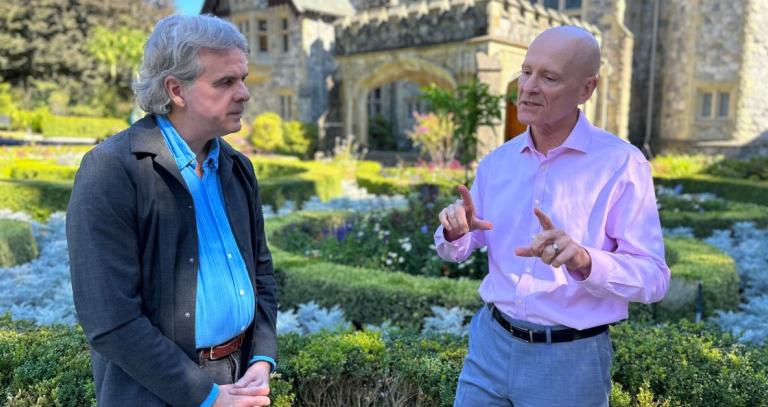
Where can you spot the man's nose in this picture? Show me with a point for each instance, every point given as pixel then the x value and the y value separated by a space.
pixel 243 94
pixel 529 84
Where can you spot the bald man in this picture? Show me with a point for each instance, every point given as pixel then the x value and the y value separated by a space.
pixel 568 214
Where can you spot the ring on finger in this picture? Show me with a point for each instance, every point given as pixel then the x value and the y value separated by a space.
pixel 556 248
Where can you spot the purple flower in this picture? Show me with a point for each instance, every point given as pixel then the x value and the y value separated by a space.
pixel 678 189
pixel 424 229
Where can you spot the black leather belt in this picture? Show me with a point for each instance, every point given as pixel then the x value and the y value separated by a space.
pixel 536 336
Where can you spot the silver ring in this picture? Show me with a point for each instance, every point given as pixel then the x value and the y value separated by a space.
pixel 557 249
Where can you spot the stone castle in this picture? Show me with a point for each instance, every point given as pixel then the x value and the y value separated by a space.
pixel 676 75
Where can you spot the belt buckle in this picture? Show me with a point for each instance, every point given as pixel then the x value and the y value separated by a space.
pixel 210 353
pixel 530 335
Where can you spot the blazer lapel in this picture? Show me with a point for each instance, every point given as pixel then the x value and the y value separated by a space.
pixel 147 138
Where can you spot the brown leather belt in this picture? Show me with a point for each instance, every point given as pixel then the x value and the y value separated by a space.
pixel 225 349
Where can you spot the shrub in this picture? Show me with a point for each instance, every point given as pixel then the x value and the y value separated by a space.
pixel 433 133
pixel 682 364
pixel 753 168
pixel 89 127
pixel 37 198
pixel 728 188
pixel 267 133
pixel 681 165
pixel 299 138
pixel 17 245
pixel 30 120
pixel 354 277
pixel 706 221
pixel 689 365
pixel 40 170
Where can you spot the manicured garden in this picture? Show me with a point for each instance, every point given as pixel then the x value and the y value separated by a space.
pixel 370 316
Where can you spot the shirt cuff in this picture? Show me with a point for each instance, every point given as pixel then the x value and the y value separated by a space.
pixel 264 359
pixel 208 402
pixel 598 274
pixel 454 250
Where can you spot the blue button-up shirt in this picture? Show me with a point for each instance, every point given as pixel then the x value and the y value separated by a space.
pixel 225 299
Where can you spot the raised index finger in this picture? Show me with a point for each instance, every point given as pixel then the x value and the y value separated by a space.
pixel 544 220
pixel 467 198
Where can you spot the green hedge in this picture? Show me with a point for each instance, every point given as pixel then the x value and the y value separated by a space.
pixel 406 299
pixel 739 190
pixel 282 179
pixel 692 261
pixel 87 127
pixel 37 198
pixel 704 223
pixel 681 364
pixel 40 170
pixel 17 245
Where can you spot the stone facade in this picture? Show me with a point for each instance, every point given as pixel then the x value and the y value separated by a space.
pixel 710 58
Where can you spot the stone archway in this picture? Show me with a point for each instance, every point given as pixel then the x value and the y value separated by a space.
pixel 395 68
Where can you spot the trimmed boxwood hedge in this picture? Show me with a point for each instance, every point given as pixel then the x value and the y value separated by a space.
pixel 17 245
pixel 704 223
pixel 406 299
pixel 681 364
pixel 728 188
pixel 97 128
pixel 37 198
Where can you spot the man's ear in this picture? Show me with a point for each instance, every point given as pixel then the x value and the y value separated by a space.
pixel 589 87
pixel 174 89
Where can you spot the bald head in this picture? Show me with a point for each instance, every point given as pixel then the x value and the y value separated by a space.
pixel 577 46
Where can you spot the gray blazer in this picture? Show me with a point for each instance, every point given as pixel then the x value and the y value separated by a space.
pixel 134 258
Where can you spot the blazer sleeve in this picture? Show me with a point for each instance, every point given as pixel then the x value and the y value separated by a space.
pixel 265 319
pixel 106 279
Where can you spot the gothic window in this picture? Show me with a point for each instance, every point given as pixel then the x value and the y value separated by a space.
pixel 263 36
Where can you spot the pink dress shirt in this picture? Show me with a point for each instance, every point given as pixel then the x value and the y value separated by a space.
pixel 598 189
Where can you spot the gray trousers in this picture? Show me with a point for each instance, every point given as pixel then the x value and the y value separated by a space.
pixel 502 370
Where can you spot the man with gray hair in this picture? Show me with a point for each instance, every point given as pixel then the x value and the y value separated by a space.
pixel 171 275
pixel 568 214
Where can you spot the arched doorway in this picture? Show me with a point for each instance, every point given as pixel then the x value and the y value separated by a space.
pixel 512 127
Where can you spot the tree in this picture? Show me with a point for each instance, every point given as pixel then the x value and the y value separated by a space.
pixel 118 50
pixel 471 106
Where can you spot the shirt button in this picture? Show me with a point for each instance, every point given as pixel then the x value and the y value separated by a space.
pixel 186 315
pixel 191 260
pixel 229 255
pixel 190 206
pixel 527 269
pixel 536 202
pixel 543 168
pixel 242 328
pixel 242 293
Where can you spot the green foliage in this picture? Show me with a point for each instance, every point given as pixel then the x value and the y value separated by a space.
pixel 681 165
pixel 17 245
pixel 740 190
pixel 688 365
pixel 316 267
pixel 90 127
pixel 267 132
pixel 710 215
pixel 47 41
pixel 753 168
pixel 680 364
pixel 394 241
pixel 471 106
pixel 281 180
pixel 7 106
pixel 381 136
pixel 692 261
pixel 44 366
pixel 37 198
pixel 300 138
pixel 433 133
pixel 119 49
pixel 30 120
pixel 405 181
pixel 37 170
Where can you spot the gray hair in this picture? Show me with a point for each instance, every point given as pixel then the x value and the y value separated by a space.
pixel 172 50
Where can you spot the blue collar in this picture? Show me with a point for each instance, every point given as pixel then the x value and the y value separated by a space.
pixel 182 154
